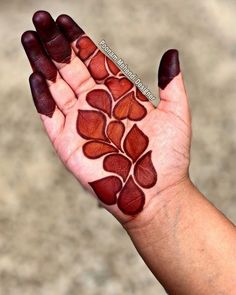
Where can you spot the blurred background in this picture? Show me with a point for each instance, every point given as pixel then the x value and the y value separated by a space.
pixel 53 237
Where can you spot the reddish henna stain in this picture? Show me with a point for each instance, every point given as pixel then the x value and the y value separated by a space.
pixel 115 132
pixel 140 95
pixel 129 107
pixel 107 188
pixel 37 56
pixel 112 67
pixel 100 99
pixel 144 171
pixel 42 97
pixel 86 47
pixel 118 87
pixel 69 27
pixel 91 125
pixel 135 143
pixel 97 66
pixel 118 164
pixel 96 149
pixel 131 198
pixel 54 41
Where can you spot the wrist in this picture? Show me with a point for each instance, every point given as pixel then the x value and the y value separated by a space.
pixel 161 209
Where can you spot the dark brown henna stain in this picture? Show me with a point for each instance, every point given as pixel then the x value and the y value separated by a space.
pixel 144 171
pixel 131 198
pixel 135 143
pixel 140 96
pixel 95 149
pixel 100 99
pixel 107 188
pixel 129 108
pixel 91 125
pixel 86 47
pixel 118 164
pixel 112 67
pixel 42 97
pixel 97 66
pixel 37 56
pixel 118 87
pixel 169 67
pixel 115 132
pixel 69 27
pixel 54 41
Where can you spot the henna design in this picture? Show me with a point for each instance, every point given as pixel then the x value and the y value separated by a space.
pixel 141 96
pixel 115 132
pixel 91 125
pixel 131 199
pixel 118 87
pixel 107 136
pixel 97 67
pixel 135 143
pixel 94 149
pixel 113 68
pixel 86 47
pixel 129 108
pixel 144 171
pixel 107 188
pixel 100 99
pixel 126 156
pixel 118 164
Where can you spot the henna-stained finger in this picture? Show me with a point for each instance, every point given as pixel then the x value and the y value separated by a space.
pixel 54 41
pixel 37 56
pixel 42 97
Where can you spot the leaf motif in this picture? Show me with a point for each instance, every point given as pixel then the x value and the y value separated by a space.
pixel 100 99
pixel 144 171
pixel 95 149
pixel 140 95
pixel 112 67
pixel 86 47
pixel 97 66
pixel 115 132
pixel 118 87
pixel 135 143
pixel 118 164
pixel 91 125
pixel 129 107
pixel 107 188
pixel 131 198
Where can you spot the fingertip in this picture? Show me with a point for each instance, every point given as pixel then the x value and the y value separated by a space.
pixel 41 17
pixel 28 37
pixel 69 27
pixel 42 97
pixel 169 67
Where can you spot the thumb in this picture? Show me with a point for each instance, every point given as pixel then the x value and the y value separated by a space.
pixel 173 97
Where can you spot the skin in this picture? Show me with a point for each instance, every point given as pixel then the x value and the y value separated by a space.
pixel 185 241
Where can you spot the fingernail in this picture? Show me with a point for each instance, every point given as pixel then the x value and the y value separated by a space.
pixel 169 67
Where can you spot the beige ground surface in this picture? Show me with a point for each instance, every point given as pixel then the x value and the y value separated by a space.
pixel 53 238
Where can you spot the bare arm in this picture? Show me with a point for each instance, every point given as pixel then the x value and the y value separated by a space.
pixel 188 244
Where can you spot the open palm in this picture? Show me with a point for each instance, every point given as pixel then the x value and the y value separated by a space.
pixel 103 128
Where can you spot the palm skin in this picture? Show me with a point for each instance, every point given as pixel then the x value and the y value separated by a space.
pixel 167 127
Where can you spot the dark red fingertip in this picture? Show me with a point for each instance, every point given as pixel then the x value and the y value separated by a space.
pixel 42 97
pixel 37 56
pixel 52 38
pixel 44 24
pixel 69 27
pixel 169 67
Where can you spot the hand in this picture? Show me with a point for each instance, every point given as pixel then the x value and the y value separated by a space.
pixel 103 128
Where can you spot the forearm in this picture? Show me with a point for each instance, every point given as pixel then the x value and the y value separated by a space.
pixel 188 245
